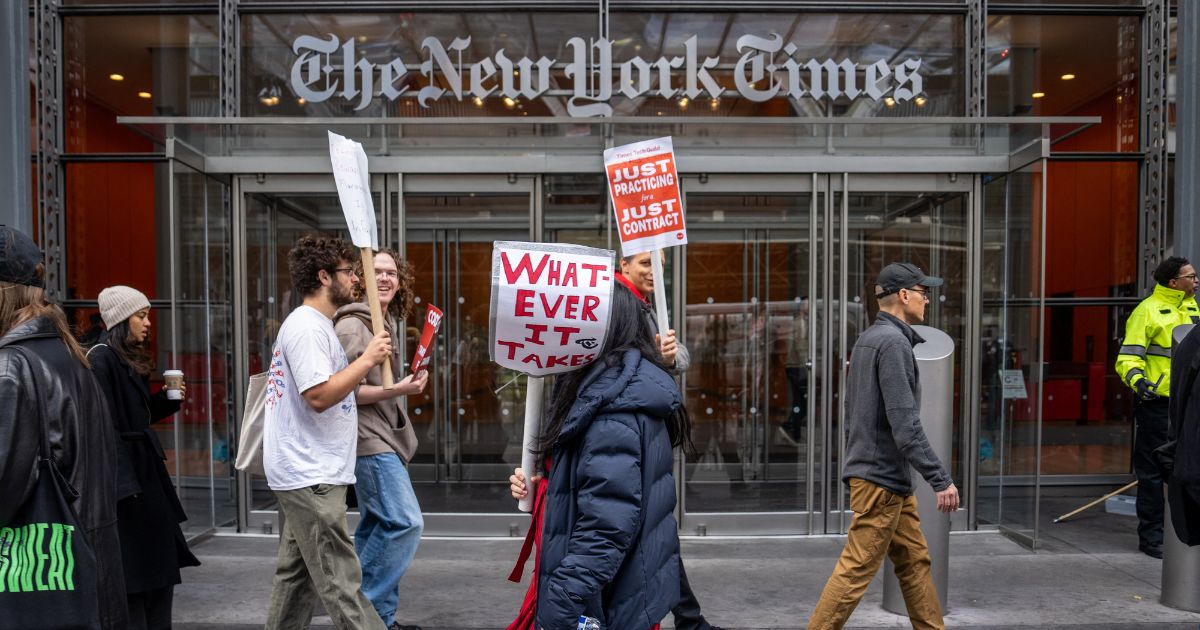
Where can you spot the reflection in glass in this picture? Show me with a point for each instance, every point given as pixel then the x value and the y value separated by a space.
pixel 470 418
pixel 168 65
pixel 746 318
pixel 1068 65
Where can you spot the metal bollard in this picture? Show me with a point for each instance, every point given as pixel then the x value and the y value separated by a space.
pixel 935 361
pixel 1181 563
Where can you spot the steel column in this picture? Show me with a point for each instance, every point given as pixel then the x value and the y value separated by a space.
pixel 1187 129
pixel 14 115
pixel 1152 217
pixel 51 230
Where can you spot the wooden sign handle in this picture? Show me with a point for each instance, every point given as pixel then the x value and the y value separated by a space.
pixel 368 261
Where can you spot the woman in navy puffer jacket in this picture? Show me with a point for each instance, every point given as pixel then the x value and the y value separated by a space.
pixel 610 543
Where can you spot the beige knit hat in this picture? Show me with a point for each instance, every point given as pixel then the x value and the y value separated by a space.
pixel 119 303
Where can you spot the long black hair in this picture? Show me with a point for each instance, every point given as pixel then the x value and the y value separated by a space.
pixel 135 354
pixel 629 328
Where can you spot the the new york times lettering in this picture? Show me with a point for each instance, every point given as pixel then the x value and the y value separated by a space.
pixel 37 557
pixel 327 67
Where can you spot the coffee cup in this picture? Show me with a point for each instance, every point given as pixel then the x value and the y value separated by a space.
pixel 173 380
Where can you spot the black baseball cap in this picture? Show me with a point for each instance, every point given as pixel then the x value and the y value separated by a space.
pixel 898 276
pixel 19 258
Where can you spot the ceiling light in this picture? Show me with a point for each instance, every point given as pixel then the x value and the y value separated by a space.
pixel 509 103
pixel 889 101
pixel 1038 94
pixel 1067 77
pixel 300 101
pixel 714 104
pixel 478 102
pixel 683 103
pixel 920 101
pixel 116 77
pixel 144 94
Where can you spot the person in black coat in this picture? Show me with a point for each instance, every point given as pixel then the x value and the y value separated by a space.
pixel 149 513
pixel 45 385
pixel 610 543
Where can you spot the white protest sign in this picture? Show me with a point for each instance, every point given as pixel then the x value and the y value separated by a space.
pixel 550 305
pixel 354 189
pixel 644 187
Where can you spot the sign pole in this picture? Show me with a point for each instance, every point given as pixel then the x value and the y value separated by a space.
pixel 368 262
pixel 533 422
pixel 660 292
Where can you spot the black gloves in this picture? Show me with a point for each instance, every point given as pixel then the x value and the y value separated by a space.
pixel 1145 390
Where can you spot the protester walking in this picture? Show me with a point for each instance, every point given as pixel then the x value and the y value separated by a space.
pixel 1144 364
pixel 58 463
pixel 884 443
pixel 310 435
pixel 390 523
pixel 609 541
pixel 153 548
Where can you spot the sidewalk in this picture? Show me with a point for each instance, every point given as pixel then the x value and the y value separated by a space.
pixel 1087 575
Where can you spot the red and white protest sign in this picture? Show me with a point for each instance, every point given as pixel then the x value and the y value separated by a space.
pixel 433 321
pixel 644 187
pixel 550 305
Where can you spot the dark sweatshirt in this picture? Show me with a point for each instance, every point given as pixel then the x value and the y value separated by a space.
pixel 883 399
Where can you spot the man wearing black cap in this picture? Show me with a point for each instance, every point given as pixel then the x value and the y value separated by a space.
pixel 885 441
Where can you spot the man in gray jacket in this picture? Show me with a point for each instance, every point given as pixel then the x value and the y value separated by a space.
pixel 885 442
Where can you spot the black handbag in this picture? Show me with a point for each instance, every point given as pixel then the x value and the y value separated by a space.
pixel 47 566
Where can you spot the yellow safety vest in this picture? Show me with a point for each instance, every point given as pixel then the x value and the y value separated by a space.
pixel 1146 350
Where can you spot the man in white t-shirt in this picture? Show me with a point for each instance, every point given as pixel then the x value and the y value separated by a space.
pixel 309 441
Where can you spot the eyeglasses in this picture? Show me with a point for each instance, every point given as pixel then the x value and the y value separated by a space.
pixel 349 270
pixel 387 274
pixel 924 292
pixel 1190 276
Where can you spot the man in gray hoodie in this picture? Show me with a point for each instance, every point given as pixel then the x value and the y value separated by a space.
pixel 885 442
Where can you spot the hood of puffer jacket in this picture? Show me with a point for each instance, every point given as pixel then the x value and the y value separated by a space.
pixel 633 385
pixel 353 307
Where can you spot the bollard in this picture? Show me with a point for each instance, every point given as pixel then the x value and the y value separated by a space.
pixel 935 362
pixel 1181 563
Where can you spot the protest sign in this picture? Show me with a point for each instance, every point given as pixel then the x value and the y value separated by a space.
pixel 433 321
pixel 644 187
pixel 550 309
pixel 550 305
pixel 353 181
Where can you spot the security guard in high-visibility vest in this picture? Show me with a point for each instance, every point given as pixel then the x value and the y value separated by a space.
pixel 1144 363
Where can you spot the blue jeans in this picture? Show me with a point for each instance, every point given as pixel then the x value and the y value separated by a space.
pixel 388 532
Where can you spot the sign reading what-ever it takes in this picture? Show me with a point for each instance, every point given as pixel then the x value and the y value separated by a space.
pixel 644 187
pixel 550 305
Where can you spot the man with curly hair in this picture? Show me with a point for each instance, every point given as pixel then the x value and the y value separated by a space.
pixel 309 440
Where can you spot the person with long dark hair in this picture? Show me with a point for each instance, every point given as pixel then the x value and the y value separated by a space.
pixel 153 548
pixel 46 398
pixel 609 541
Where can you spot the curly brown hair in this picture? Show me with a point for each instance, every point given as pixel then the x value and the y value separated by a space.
pixel 312 253
pixel 402 304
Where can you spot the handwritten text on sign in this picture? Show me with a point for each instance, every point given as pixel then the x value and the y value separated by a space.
pixel 353 180
pixel 433 321
pixel 644 186
pixel 550 305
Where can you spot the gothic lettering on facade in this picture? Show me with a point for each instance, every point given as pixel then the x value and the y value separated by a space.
pixel 766 68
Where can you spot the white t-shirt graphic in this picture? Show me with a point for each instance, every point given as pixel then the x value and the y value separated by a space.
pixel 301 447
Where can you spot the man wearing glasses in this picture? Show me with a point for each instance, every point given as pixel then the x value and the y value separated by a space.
pixel 1144 363
pixel 884 443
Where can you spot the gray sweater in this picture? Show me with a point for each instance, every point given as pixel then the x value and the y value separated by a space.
pixel 883 399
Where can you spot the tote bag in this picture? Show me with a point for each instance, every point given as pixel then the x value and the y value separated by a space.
pixel 250 441
pixel 47 567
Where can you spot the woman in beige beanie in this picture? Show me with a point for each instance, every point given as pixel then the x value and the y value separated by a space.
pixel 149 513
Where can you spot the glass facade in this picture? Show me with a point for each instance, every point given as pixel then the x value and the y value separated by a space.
pixel 815 146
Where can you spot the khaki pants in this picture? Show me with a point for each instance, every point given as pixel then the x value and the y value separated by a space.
pixel 883 523
pixel 316 558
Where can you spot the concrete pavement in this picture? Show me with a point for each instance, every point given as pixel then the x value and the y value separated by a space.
pixel 1087 574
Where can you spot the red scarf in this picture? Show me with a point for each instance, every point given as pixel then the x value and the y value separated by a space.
pixel 527 617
